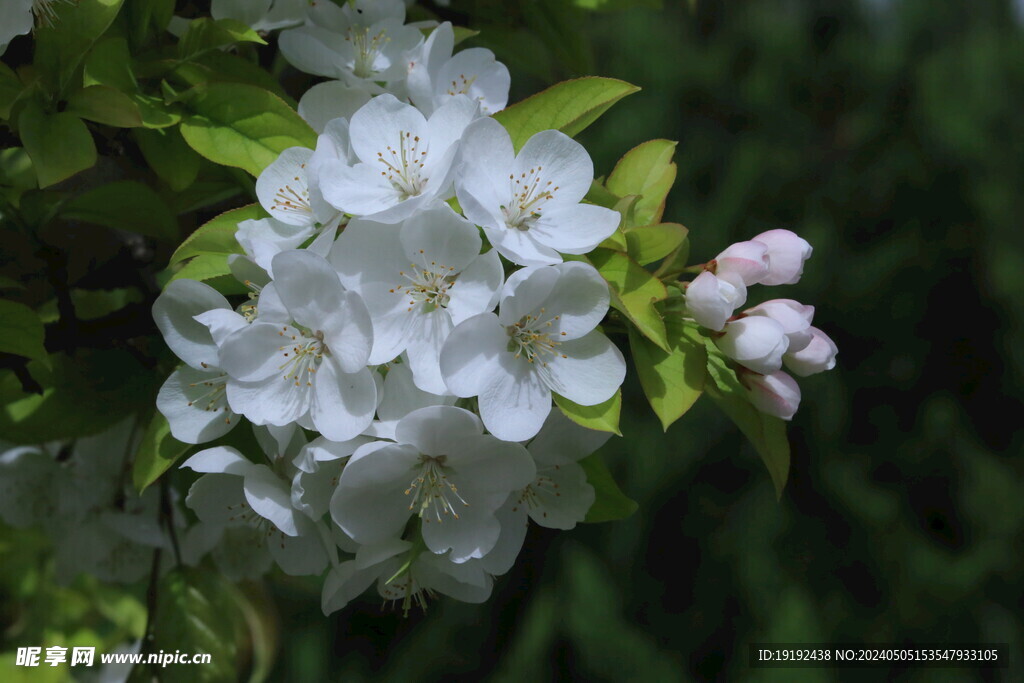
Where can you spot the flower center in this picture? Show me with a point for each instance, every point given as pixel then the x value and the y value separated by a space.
pixel 429 285
pixel 403 166
pixel 461 85
pixel 303 357
pixel 432 493
pixel 531 337
pixel 531 495
pixel 367 49
pixel 210 394
pixel 529 193
pixel 290 200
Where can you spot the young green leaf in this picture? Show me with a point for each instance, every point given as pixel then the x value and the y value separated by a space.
pixel 205 34
pixel 646 170
pixel 125 205
pixel 158 450
pixel 103 104
pixel 604 417
pixel 243 126
pixel 218 235
pixel 648 243
pixel 10 90
pixel 671 381
pixel 165 151
pixel 61 46
pixel 569 106
pixel 110 63
pixel 21 331
pixel 634 291
pixel 766 433
pixel 610 503
pixel 58 144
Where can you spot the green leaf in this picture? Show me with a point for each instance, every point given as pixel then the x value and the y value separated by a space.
pixel 212 269
pixel 671 381
pixel 155 112
pixel 10 90
pixel 649 243
pixel 765 432
pixel 83 394
pixel 92 303
pixel 609 5
pixel 610 503
pixel 218 235
pixel 145 16
pixel 165 151
pixel 197 612
pixel 599 194
pixel 103 104
pixel 58 144
pixel 462 33
pixel 209 34
pixel 16 169
pixel 61 46
pixel 634 291
pixel 243 126
pixel 569 106
pixel 603 417
pixel 157 452
pixel 21 331
pixel 110 63
pixel 125 205
pixel 10 283
pixel 646 170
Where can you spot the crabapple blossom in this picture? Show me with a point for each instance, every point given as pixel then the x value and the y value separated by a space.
pixel 404 159
pixel 711 300
pixel 541 341
pixel 330 100
pixel 755 342
pixel 435 75
pixel 419 279
pixel 443 469
pixel 742 263
pixel 310 366
pixel 786 254
pixel 529 204
pixel 401 397
pixel 794 317
pixel 817 356
pixel 775 393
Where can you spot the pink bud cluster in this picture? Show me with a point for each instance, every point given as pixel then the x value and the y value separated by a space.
pixel 763 338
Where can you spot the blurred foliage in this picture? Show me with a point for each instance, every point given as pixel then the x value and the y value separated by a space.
pixel 889 136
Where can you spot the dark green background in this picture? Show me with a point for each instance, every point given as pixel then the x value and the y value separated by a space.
pixel 890 136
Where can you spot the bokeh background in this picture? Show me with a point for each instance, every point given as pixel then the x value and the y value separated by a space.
pixel 890 135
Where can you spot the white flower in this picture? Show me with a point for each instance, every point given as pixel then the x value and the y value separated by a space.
pixel 794 317
pixel 319 468
pixel 283 189
pixel 401 397
pixel 404 160
pixel 817 356
pixel 756 342
pixel 711 300
pixel 331 100
pixel 444 469
pixel 261 15
pixel 559 496
pixel 742 263
pixel 193 398
pixel 235 492
pixel 310 365
pixel 361 44
pixel 786 255
pixel 418 280
pixel 775 394
pixel 529 204
pixel 542 341
pixel 435 75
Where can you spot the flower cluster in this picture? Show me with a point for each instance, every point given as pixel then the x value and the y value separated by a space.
pixel 763 338
pixel 396 356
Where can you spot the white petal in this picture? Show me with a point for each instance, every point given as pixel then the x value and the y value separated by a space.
pixel 561 497
pixel 330 100
pixel 427 335
pixel 370 503
pixel 587 370
pixel 270 498
pixel 402 396
pixel 525 291
pixel 343 404
pixel 474 72
pixel 438 430
pixel 174 312
pixel 477 288
pixel 221 323
pixel 440 239
pixel 196 410
pixel 256 352
pixel 470 354
pixel 510 542
pixel 343 584
pixel 382 123
pixel 558 158
pixel 563 441
pixel 447 124
pixel 358 190
pixel 470 536
pixel 514 402
pixel 520 247
pixel 283 190
pixel 579 299
pixel 221 459
pixel 273 400
pixel 300 555
pixel 574 228
pixel 313 50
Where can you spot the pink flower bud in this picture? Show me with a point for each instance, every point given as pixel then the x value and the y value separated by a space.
pixel 786 255
pixel 743 263
pixel 794 317
pixel 776 394
pixel 819 355
pixel 756 342
pixel 712 300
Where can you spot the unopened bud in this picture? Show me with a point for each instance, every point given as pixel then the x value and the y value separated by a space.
pixel 794 317
pixel 756 342
pixel 819 355
pixel 786 255
pixel 776 394
pixel 712 300
pixel 743 263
